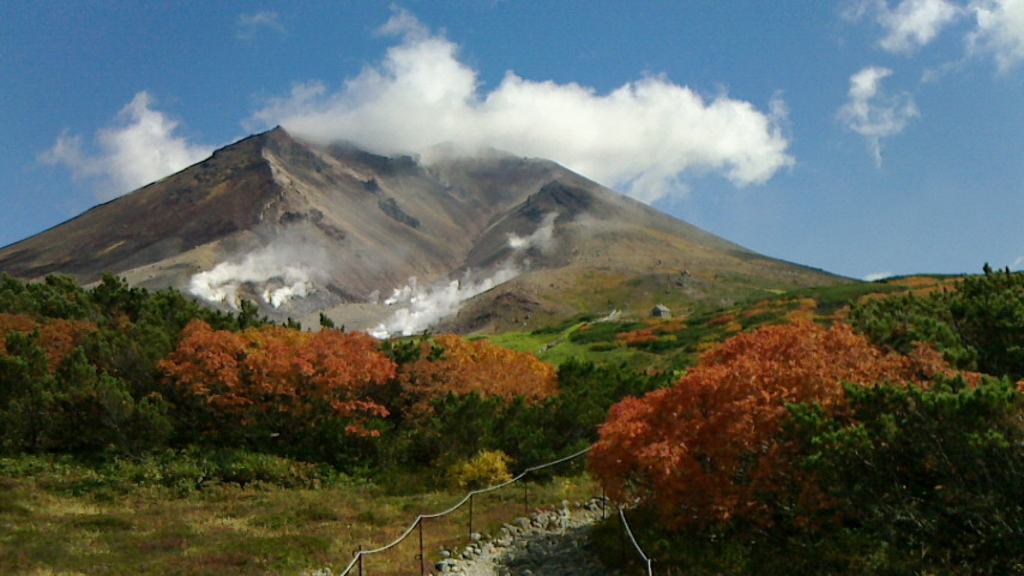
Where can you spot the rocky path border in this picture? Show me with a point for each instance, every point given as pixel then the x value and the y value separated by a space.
pixel 550 543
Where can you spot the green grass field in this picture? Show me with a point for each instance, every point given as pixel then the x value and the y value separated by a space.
pixel 673 347
pixel 57 518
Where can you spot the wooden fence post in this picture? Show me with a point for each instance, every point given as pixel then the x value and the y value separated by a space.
pixel 604 504
pixel 423 560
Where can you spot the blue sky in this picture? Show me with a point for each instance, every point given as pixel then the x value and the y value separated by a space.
pixel 863 137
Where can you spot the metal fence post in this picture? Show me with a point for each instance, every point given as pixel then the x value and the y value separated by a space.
pixel 471 515
pixel 360 560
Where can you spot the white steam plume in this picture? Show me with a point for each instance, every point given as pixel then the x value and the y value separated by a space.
pixel 639 138
pixel 278 272
pixel 542 238
pixel 138 149
pixel 874 276
pixel 422 307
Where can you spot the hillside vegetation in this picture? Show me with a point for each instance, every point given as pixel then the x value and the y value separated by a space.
pixel 809 449
pixel 867 410
pixel 120 371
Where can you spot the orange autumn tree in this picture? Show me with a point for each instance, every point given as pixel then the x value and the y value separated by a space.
pixel 465 367
pixel 58 337
pixel 708 449
pixel 279 379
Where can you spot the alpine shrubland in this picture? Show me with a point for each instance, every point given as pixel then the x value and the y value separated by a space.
pixel 860 428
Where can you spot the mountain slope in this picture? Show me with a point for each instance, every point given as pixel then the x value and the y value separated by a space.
pixel 396 244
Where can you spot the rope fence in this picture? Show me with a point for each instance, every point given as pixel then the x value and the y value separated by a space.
pixel 357 561
pixel 636 545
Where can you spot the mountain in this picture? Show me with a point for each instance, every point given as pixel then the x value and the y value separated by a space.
pixel 398 243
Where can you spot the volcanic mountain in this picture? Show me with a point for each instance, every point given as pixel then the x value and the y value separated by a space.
pixel 396 244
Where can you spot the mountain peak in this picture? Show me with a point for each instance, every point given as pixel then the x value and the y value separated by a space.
pixel 302 229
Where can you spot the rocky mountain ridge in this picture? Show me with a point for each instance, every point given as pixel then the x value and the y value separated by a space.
pixel 398 244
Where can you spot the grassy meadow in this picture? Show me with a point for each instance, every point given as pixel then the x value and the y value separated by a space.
pixel 58 517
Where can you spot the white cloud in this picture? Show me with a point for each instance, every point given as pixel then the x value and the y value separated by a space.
pixel 138 149
pixel 999 32
pixel 639 138
pixel 915 23
pixel 249 25
pixel 877 276
pixel 1018 263
pixel 872 113
pixel 911 24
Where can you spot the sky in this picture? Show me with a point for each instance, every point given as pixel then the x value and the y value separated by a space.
pixel 867 138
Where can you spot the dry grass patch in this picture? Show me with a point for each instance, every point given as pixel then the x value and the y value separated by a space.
pixel 228 530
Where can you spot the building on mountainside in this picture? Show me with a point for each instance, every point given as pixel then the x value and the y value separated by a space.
pixel 661 311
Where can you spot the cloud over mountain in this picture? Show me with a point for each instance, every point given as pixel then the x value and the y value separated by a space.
pixel 137 149
pixel 641 138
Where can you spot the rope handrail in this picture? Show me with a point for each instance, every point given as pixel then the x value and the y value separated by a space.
pixel 636 545
pixel 422 517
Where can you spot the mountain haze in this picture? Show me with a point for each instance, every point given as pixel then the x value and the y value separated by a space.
pixel 396 244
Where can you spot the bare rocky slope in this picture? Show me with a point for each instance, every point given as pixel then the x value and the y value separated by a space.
pixel 465 244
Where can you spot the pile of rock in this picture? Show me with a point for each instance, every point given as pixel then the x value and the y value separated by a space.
pixel 550 543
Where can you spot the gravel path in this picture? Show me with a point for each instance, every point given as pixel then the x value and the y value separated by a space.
pixel 551 543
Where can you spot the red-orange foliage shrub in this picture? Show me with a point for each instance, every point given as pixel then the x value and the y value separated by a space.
pixel 14 323
pixel 725 319
pixel 481 367
pixel 642 335
pixel 270 375
pixel 636 337
pixel 18 322
pixel 708 449
pixel 58 337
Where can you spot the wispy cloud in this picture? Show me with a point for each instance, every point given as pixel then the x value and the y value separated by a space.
pixel 877 276
pixel 995 28
pixel 249 25
pixel 915 23
pixel 140 147
pixel 640 138
pixel 999 32
pixel 911 24
pixel 872 113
